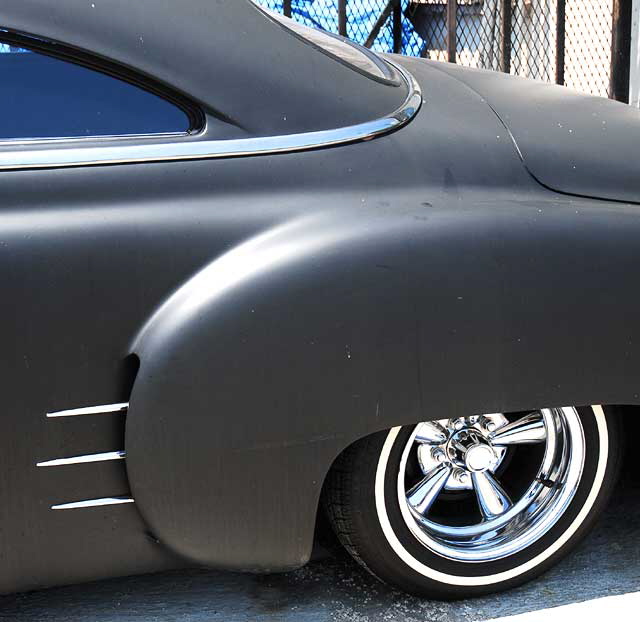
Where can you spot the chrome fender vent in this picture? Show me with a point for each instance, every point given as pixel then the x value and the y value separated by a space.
pixel 105 409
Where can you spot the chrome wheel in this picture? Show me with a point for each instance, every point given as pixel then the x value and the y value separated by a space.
pixel 463 507
pixel 449 462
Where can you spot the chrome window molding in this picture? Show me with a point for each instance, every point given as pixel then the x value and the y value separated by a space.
pixel 94 151
pixel 21 143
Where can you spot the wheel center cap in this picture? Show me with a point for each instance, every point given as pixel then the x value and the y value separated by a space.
pixel 470 449
pixel 479 457
pixel 465 450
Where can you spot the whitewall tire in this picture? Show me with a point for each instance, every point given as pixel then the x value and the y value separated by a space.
pixel 466 506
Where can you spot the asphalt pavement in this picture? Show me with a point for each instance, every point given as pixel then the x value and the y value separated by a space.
pixel 333 588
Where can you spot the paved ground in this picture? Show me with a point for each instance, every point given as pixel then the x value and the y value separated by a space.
pixel 334 589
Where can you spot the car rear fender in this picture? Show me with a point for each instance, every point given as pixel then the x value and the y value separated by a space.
pixel 263 367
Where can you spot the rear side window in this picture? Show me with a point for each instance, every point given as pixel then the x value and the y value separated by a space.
pixel 46 97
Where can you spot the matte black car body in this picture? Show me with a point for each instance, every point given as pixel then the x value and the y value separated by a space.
pixel 283 305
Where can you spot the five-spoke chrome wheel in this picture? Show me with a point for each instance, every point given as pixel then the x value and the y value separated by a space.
pixel 472 454
pixel 464 506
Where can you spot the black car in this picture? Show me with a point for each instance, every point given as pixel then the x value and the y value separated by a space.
pixel 253 272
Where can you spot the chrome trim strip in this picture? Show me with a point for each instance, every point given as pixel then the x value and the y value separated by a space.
pixel 104 457
pixel 85 151
pixel 62 140
pixel 92 503
pixel 92 410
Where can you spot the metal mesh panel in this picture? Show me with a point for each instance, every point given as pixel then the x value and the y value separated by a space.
pixel 362 18
pixel 588 46
pixel 522 37
pixel 533 39
pixel 479 34
pixel 429 21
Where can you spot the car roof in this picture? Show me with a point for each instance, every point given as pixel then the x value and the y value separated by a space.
pixel 225 55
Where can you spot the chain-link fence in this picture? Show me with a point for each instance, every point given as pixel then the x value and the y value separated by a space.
pixel 564 41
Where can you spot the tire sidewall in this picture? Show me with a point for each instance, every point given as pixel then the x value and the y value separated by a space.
pixel 399 558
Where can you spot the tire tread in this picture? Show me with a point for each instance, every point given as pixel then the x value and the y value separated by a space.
pixel 337 500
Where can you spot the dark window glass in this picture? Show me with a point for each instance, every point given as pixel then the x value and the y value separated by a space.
pixel 45 97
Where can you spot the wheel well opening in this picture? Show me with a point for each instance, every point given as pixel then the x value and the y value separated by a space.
pixel 325 541
pixel 127 375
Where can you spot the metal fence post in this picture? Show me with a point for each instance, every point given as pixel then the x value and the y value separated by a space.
pixel 286 8
pixel 397 28
pixel 452 23
pixel 561 16
pixel 506 19
pixel 634 69
pixel 342 17
pixel 620 51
